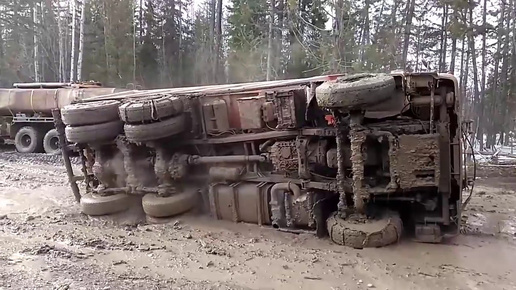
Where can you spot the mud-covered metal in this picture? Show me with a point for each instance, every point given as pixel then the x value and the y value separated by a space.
pixel 270 154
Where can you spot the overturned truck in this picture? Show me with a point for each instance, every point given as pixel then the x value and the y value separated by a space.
pixel 356 157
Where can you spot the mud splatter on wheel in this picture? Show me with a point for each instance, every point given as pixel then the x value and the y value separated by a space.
pixel 96 205
pixel 160 207
pixel 361 233
pixel 155 131
pixel 150 110
pixel 82 114
pixel 355 92
pixel 94 133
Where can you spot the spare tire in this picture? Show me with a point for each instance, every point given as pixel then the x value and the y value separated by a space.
pixel 355 92
pixel 95 205
pixel 371 233
pixel 90 113
pixel 97 133
pixel 161 207
pixel 150 110
pixel 155 131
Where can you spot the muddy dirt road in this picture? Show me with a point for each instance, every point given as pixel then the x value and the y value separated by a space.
pixel 45 243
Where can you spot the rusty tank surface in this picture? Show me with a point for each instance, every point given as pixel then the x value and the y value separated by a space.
pixel 26 112
pixel 358 158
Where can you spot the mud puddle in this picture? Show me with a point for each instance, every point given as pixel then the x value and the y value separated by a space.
pixel 45 243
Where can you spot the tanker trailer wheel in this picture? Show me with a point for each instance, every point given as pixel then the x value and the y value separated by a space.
pixel 82 114
pixel 150 110
pixel 28 140
pixel 51 142
pixel 154 131
pixel 162 207
pixel 359 233
pixel 96 205
pixel 355 92
pixel 94 133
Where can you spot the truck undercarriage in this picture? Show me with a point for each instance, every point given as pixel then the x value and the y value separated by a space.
pixel 348 156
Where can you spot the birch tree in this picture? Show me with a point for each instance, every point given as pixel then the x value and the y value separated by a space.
pixel 73 4
pixel 81 41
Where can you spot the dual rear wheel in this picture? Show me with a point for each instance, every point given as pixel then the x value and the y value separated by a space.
pixel 30 139
pixel 153 205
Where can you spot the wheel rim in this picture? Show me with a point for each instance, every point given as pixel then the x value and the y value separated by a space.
pixel 26 140
pixel 54 143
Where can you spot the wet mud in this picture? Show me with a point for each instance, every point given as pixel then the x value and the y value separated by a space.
pixel 45 243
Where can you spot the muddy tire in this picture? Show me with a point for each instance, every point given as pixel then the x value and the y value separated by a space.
pixel 150 110
pixel 161 207
pixel 97 133
pixel 155 131
pixel 28 140
pixel 82 114
pixel 51 142
pixel 355 92
pixel 96 205
pixel 375 233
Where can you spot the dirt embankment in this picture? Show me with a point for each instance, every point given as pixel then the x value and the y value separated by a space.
pixel 45 243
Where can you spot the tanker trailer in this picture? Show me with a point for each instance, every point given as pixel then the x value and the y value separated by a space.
pixel 25 112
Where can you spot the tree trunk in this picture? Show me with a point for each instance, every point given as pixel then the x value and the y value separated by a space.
pixel 36 43
pixel 338 31
pixel 278 35
pixel 213 12
pixel 418 47
pixel 495 94
pixel 408 29
pixel 475 68
pixel 81 40
pixel 72 54
pixel 454 43
pixel 365 34
pixel 512 80
pixel 60 43
pixel 140 20
pixel 480 110
pixel 444 37
pixel 270 54
pixel 218 72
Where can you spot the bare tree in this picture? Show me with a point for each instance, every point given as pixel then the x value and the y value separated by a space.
pixel 218 45
pixel 483 81
pixel 270 53
pixel 408 28
pixel 81 40
pixel 72 55
pixel 36 44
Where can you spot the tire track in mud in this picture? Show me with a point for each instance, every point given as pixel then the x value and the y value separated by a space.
pixel 56 247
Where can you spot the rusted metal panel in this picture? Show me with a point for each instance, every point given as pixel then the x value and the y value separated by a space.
pixel 417 161
pixel 250 112
pixel 216 115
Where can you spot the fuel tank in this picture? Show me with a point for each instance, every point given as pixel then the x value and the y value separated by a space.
pixel 41 101
pixel 243 202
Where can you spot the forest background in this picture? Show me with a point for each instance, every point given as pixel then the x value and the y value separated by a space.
pixel 172 43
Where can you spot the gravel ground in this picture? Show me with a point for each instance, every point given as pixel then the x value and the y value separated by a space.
pixel 45 243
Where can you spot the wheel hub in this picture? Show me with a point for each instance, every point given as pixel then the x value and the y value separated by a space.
pixel 54 143
pixel 26 140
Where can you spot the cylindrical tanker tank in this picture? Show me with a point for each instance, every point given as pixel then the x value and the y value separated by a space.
pixel 41 101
